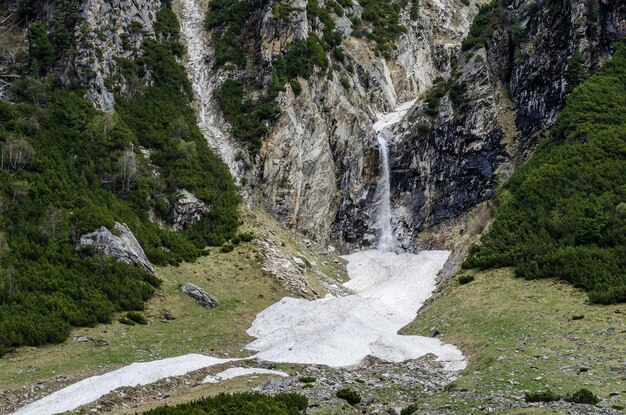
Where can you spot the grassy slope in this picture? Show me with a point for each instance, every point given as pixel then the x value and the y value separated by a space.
pixel 520 336
pixel 234 278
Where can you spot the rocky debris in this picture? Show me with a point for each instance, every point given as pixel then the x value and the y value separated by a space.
pixel 120 244
pixel 198 294
pixel 85 339
pixel 187 209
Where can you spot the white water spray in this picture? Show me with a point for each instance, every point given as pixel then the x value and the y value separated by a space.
pixel 386 239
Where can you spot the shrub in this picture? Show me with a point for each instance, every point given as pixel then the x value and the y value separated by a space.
pixel 293 401
pixel 136 317
pixel 227 247
pixel 349 395
pixel 239 404
pixel 465 279
pixel 410 409
pixel 541 396
pixel 307 379
pixel 583 396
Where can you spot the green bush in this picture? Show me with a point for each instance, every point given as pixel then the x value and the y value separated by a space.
pixel 410 409
pixel 465 279
pixel 560 215
pixel 228 247
pixel 541 396
pixel 349 395
pixel 583 396
pixel 489 18
pixel 239 404
pixel 307 379
pixel 136 317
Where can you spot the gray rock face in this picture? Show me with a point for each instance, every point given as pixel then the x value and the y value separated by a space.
pixel 318 167
pixel 120 244
pixel 187 209
pixel 442 166
pixel 198 294
pixel 109 29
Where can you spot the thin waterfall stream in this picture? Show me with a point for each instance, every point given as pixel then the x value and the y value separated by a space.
pixel 386 239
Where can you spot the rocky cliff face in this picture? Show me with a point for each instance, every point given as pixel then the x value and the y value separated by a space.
pixel 109 30
pixel 318 166
pixel 447 162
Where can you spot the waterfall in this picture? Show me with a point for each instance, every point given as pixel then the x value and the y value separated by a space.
pixel 386 239
pixel 198 64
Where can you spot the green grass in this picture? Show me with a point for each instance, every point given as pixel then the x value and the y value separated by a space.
pixel 520 331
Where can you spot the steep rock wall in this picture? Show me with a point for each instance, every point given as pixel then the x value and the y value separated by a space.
pixel 446 164
pixel 319 164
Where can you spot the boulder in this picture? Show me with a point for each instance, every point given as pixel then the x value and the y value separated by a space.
pixel 198 294
pixel 187 209
pixel 120 244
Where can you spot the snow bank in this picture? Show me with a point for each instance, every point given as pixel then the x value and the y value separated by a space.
pixel 91 389
pixel 341 331
pixel 241 371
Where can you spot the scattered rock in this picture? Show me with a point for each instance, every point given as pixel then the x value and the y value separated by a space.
pixel 120 244
pixel 198 294
pixel 167 315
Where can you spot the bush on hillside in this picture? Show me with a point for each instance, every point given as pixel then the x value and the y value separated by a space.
pixel 349 395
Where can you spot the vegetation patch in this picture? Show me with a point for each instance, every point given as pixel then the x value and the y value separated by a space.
pixel 541 396
pixel 493 320
pixel 488 19
pixel 239 404
pixel 564 213
pixel 67 169
pixel 349 395
pixel 583 396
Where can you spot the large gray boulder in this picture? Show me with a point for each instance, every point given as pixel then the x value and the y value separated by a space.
pixel 198 294
pixel 120 244
pixel 187 209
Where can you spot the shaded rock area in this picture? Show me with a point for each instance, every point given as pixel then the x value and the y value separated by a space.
pixel 198 294
pixel 187 209
pixel 120 244
pixel 447 158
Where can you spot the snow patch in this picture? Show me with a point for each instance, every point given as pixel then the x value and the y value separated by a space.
pixel 91 389
pixel 342 331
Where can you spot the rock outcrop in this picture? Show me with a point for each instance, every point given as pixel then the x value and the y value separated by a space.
pixel 120 244
pixel 318 167
pixel 444 165
pixel 186 210
pixel 109 29
pixel 198 294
